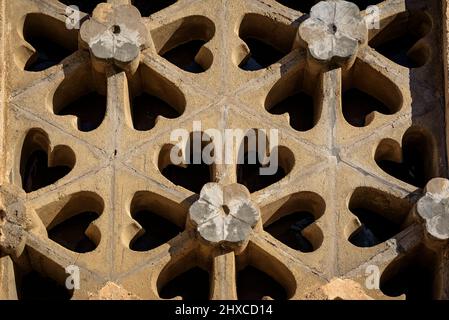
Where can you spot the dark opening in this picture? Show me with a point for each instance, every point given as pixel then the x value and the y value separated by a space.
pixel 34 286
pixel 116 29
pixel 146 108
pixel 358 104
pixel 90 110
pixel 262 55
pixel 362 4
pixel 375 228
pixel 249 175
pixel 412 275
pixel 253 284
pixel 301 5
pixel 37 174
pixel 148 7
pixel 183 56
pixel 51 47
pixel 398 40
pixel 288 230
pixel 300 108
pixel 190 285
pixel 157 231
pixel 71 233
pixel 192 176
pixel 415 167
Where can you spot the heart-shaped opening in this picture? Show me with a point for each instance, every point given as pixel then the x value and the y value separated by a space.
pixel 71 226
pixel 268 41
pixel 412 274
pixel 148 7
pixel 294 222
pixel 260 275
pixel 50 47
pixel 365 92
pixel 381 216
pixel 401 41
pixel 193 171
pixel 39 165
pixel 252 172
pixel 414 162
pixel 184 278
pixel 299 99
pixel 77 96
pixel 155 215
pixel 154 97
pixel 183 43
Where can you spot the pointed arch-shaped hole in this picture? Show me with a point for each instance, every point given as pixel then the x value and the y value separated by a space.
pixel 77 96
pixel 39 165
pixel 412 163
pixel 268 41
pixel 400 40
pixel 251 170
pixel 156 97
pixel 183 43
pixel 51 40
pixel 412 274
pixel 193 171
pixel 155 214
pixel 381 216
pixel 300 100
pixel 293 223
pixel 366 91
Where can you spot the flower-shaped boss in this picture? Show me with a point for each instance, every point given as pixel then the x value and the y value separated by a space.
pixel 224 215
pixel 115 35
pixel 433 208
pixel 333 32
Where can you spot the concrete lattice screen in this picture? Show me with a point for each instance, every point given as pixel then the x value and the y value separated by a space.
pixel 86 177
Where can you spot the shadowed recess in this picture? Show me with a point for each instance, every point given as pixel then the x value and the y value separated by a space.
pixel 51 40
pixel 362 4
pixel 90 110
pixel 294 222
pixel 249 162
pixel 413 162
pixel 157 231
pixel 38 169
pixel 300 5
pixel 71 233
pixel 148 7
pixel 381 216
pixel 183 43
pixel 400 40
pixel 412 275
pixel 195 173
pixel 146 108
pixel 357 105
pixel 192 284
pixel 268 41
pixel 86 6
pixel 254 284
pixel 34 286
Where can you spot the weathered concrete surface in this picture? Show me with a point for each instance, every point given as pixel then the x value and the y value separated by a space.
pixel 339 289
